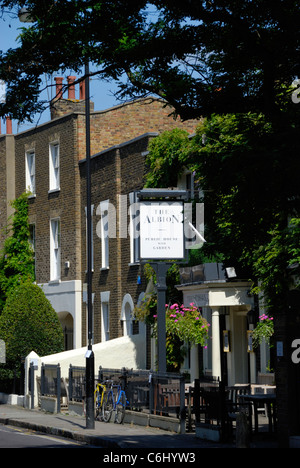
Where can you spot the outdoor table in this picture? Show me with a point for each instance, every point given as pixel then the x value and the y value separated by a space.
pixel 262 398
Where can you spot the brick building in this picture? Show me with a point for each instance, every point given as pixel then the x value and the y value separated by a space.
pixel 49 161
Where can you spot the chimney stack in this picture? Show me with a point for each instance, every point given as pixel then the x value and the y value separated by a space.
pixel 59 85
pixel 61 106
pixel 8 125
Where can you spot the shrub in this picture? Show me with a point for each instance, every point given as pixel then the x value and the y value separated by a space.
pixel 29 323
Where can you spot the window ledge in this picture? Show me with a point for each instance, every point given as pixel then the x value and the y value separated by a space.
pixel 54 190
pixel 55 281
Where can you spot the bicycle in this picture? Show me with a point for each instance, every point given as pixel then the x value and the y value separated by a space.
pixel 100 391
pixel 117 403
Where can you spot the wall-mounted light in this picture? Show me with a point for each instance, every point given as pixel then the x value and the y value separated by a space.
pixel 24 15
pixel 252 316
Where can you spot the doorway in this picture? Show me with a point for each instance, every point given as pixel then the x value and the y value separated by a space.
pixel 237 357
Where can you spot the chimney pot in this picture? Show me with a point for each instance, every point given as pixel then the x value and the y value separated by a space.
pixel 71 87
pixel 59 81
pixel 82 89
pixel 8 125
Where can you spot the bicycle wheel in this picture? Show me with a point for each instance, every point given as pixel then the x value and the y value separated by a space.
pixel 107 407
pixel 120 409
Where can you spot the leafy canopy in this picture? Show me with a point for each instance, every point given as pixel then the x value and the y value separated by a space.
pixel 201 56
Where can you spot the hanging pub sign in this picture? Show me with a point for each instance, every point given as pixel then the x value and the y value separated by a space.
pixel 161 230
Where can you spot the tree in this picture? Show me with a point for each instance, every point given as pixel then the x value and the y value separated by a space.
pixel 29 323
pixel 166 158
pixel 202 57
pixel 249 174
pixel 17 256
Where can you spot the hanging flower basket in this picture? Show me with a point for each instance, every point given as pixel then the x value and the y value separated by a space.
pixel 264 330
pixel 187 323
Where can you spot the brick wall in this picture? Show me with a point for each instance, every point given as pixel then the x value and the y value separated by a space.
pixel 63 204
pixel 116 171
pixel 125 122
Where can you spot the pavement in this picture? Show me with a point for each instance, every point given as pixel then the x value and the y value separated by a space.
pixel 108 435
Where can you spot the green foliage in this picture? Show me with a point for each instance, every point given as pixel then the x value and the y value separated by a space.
pixel 146 311
pixel 202 57
pixel 271 262
pixel 29 323
pixel 166 158
pixel 248 171
pixel 17 257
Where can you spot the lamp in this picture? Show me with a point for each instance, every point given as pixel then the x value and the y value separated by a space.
pixel 230 272
pixel 24 17
pixel 252 316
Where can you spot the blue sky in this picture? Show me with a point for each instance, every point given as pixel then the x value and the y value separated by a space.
pixel 100 91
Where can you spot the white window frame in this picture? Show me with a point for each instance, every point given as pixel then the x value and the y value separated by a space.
pixel 134 230
pixel 104 233
pixel 30 171
pixel 105 315
pixel 92 237
pixel 127 315
pixel 55 249
pixel 54 166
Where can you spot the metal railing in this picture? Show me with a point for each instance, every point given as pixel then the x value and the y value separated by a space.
pixel 76 383
pixel 148 391
pixel 51 382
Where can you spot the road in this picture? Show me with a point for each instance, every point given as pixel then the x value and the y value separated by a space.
pixel 12 437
